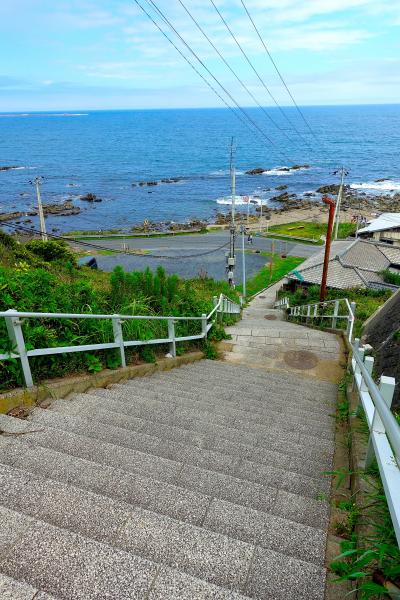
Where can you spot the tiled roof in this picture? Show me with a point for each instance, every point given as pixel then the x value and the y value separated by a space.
pixel 355 265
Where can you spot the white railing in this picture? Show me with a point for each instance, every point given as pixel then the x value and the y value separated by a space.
pixel 376 400
pixel 338 312
pixel 384 440
pixel 14 321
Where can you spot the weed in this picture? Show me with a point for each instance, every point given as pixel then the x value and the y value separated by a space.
pixel 210 350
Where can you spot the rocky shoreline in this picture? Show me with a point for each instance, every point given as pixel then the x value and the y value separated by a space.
pixel 358 202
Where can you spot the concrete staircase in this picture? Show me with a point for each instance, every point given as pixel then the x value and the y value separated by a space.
pixel 204 482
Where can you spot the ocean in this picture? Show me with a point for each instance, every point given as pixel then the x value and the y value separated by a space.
pixel 105 152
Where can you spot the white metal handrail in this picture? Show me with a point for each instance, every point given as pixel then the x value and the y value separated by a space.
pixel 384 440
pixel 14 320
pixel 315 311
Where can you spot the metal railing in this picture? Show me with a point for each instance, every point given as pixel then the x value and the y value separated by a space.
pixel 340 313
pixel 376 400
pixel 14 321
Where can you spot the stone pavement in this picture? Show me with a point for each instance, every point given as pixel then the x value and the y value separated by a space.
pixel 264 339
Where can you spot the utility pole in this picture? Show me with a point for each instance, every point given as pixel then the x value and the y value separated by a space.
pixel 231 257
pixel 261 207
pixel 233 183
pixel 331 205
pixel 243 261
pixel 343 172
pixel 37 182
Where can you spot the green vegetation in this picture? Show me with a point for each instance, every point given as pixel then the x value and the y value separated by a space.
pixel 309 230
pixel 389 277
pixel 367 301
pixel 267 276
pixel 43 277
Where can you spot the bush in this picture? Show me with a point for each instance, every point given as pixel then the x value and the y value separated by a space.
pixel 51 250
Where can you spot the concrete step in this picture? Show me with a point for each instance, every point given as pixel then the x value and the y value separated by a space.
pixel 274 394
pixel 200 450
pixel 150 418
pixel 11 589
pixel 223 371
pixel 198 408
pixel 224 525
pixel 73 566
pixel 187 500
pixel 167 469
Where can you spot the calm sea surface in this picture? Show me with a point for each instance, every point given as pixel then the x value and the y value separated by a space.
pixel 104 152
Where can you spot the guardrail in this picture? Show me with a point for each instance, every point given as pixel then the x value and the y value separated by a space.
pixel 14 321
pixel 376 400
pixel 329 310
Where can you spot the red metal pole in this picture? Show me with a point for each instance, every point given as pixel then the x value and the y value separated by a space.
pixel 331 205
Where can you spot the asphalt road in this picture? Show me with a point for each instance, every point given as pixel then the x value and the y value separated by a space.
pixel 192 246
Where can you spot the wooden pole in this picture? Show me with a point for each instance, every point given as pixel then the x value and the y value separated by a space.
pixel 331 204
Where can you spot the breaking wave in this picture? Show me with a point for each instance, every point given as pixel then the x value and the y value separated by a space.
pixel 387 185
pixel 243 200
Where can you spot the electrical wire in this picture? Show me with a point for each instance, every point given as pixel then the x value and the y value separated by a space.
pixel 279 73
pixel 258 75
pixel 232 70
pixel 96 246
pixel 246 115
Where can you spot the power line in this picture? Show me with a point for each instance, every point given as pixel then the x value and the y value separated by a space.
pixel 96 246
pixel 168 22
pixel 279 73
pixel 232 70
pixel 258 75
pixel 192 66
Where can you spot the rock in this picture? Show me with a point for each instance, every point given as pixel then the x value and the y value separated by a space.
pixel 257 171
pixel 281 187
pixel 381 180
pixel 333 188
pixel 8 167
pixel 90 198
pixel 152 183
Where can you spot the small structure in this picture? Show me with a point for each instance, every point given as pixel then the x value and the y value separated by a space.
pixel 88 261
pixel 386 228
pixel 356 264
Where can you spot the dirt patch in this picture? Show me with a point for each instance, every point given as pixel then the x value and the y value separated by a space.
pixel 270 317
pixel 300 359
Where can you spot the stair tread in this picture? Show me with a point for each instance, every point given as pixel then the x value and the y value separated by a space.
pixel 11 589
pixel 113 429
pixel 188 500
pixel 42 554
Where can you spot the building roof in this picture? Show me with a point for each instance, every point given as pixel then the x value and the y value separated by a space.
pixel 353 264
pixel 382 223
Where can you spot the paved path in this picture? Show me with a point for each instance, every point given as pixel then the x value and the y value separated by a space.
pixel 202 483
pixel 264 339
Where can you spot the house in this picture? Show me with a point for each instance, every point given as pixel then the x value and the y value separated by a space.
pixel 352 264
pixel 386 228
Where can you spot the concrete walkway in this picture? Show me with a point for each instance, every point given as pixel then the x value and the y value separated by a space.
pixel 265 340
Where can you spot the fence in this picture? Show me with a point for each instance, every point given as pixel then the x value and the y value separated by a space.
pixel 376 400
pixel 14 321
pixel 335 314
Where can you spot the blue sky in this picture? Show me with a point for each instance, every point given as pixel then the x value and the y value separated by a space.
pixel 105 54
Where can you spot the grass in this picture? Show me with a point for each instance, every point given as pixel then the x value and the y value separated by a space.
pixel 267 276
pixel 311 230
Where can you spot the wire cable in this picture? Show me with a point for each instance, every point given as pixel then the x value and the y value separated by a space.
pixel 258 75
pixel 279 73
pixel 232 70
pixel 247 116
pixel 88 244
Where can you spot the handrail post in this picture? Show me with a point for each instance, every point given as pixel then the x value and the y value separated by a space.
pixel 369 366
pixel 335 314
pixel 171 336
pixel 350 322
pixel 386 387
pixel 204 325
pixel 118 337
pixel 16 336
